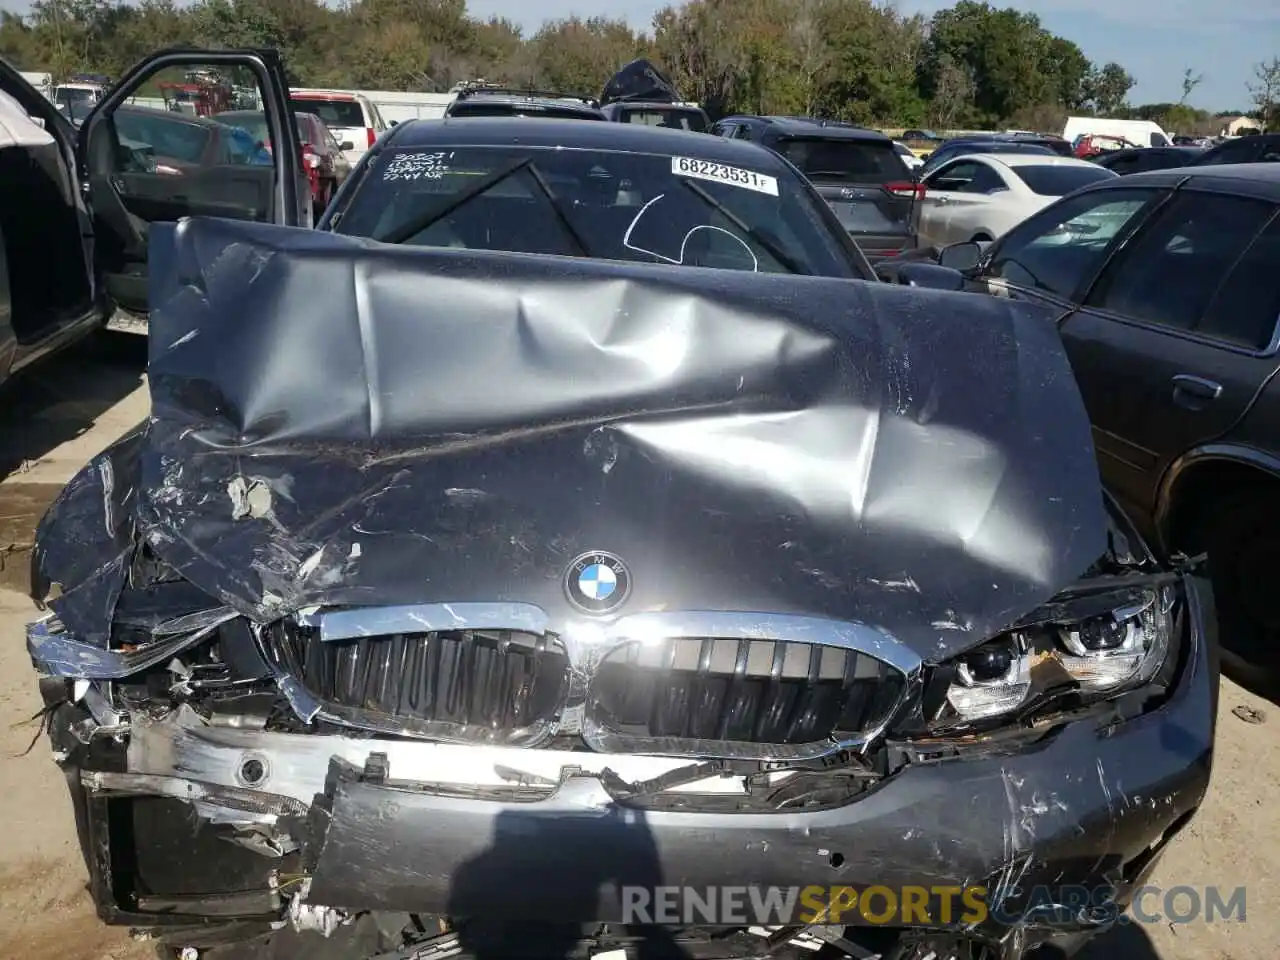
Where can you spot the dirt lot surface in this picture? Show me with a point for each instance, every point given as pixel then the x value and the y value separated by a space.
pixel 60 414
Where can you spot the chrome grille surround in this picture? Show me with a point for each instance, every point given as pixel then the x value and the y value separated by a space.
pixel 734 652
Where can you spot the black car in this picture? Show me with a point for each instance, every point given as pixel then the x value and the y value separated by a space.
pixel 1169 299
pixel 1142 159
pixel 857 171
pixel 673 116
pixel 967 147
pixel 640 93
pixel 1259 148
pixel 143 167
pixel 571 516
pixel 489 101
pixel 1051 142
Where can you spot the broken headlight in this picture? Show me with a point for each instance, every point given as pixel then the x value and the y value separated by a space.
pixel 1094 645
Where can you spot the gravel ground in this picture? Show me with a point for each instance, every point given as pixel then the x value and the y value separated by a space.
pixel 69 409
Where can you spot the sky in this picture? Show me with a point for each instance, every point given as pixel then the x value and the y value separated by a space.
pixel 1155 40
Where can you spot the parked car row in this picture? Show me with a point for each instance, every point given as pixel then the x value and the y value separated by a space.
pixel 1169 308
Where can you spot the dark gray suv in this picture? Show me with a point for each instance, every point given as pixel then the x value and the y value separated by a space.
pixel 857 171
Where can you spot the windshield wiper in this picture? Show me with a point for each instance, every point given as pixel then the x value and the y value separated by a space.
pixel 414 227
pixel 556 209
pixel 769 246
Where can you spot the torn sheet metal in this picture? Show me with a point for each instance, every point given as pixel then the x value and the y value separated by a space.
pixel 85 539
pixel 58 654
pixel 342 422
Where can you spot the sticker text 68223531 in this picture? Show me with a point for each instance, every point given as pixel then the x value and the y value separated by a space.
pixel 723 173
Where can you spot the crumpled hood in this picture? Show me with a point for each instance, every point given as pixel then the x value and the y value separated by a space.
pixel 337 421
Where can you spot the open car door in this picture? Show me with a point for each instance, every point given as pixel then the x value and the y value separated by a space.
pixel 46 276
pixel 149 156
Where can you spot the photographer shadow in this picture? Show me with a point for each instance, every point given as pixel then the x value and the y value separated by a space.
pixel 539 888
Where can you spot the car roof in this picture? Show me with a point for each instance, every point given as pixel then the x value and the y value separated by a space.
pixel 814 127
pixel 1265 173
pixel 1002 146
pixel 566 102
pixel 1034 160
pixel 1254 179
pixel 574 134
pixel 650 105
pixel 1175 150
pixel 1000 139
pixel 323 95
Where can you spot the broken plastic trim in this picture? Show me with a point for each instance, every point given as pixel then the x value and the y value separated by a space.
pixel 294 766
pixel 58 654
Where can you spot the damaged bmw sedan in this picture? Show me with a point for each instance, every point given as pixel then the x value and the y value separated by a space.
pixel 452 593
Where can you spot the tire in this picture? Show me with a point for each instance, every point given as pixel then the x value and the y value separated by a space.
pixel 1242 537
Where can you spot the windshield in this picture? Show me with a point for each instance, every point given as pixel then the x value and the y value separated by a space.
pixel 856 161
pixel 602 203
pixel 255 123
pixel 676 118
pixel 170 136
pixel 71 96
pixel 1055 181
pixel 335 113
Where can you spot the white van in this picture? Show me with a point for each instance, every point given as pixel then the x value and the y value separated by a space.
pixel 1143 133
pixel 351 117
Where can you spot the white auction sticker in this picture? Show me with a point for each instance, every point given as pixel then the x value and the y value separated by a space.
pixel 722 173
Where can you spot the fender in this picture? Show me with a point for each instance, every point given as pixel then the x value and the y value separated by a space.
pixel 1219 452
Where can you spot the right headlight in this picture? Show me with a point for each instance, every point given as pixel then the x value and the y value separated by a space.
pixel 1093 644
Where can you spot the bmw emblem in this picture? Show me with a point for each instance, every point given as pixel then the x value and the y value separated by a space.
pixel 597 582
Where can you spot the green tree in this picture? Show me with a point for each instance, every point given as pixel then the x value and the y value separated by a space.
pixel 857 60
pixel 1013 60
pixel 577 55
pixel 1265 91
pixel 1108 89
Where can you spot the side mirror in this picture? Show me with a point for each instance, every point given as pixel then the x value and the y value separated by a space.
pixel 926 156
pixel 347 145
pixel 931 276
pixel 395 123
pixel 960 257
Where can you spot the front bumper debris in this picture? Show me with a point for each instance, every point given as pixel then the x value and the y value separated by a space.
pixel 522 834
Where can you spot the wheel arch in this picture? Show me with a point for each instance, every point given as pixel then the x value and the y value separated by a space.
pixel 1222 468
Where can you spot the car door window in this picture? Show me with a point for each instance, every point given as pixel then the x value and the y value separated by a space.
pixel 1241 151
pixel 1123 165
pixel 984 181
pixel 955 178
pixel 1270 152
pixel 1246 309
pixel 1173 270
pixel 725 129
pixel 743 132
pixel 181 135
pixel 1061 249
